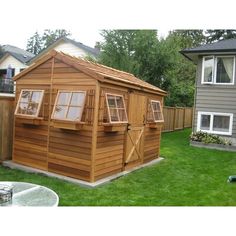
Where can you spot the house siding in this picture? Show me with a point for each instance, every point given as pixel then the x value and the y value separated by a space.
pixel 70 49
pixel 214 98
pixel 10 60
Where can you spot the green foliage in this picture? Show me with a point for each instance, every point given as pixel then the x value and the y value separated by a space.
pixel 209 138
pixel 216 35
pixel 34 44
pixel 1 51
pixel 37 42
pixel 154 60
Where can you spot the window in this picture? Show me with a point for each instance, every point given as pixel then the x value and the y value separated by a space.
pixel 157 111
pixel 116 108
pixel 69 105
pixel 218 70
pixel 216 123
pixel 154 112
pixel 29 102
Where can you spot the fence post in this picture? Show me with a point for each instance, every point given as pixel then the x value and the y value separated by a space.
pixel 184 117
pixel 174 118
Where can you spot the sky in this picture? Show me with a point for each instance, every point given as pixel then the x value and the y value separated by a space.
pixel 84 19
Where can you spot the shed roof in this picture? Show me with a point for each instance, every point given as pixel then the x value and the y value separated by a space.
pixel 92 51
pixel 18 53
pixel 97 71
pixel 223 46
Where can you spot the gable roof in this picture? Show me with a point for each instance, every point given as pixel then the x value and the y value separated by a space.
pixel 223 46
pixel 18 53
pixel 92 51
pixel 97 71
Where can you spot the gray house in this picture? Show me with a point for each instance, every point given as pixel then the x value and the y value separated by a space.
pixel 215 98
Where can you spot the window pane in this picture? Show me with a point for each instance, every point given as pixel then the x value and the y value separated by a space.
pixel 32 108
pixel 63 99
pixel 114 114
pixel 205 122
pixel 36 96
pixel 119 102
pixel 111 101
pixel 25 96
pixel 122 115
pixel 221 123
pixel 77 99
pixel 156 106
pixel 158 116
pixel 74 113
pixel 208 69
pixel 224 73
pixel 60 112
pixel 22 109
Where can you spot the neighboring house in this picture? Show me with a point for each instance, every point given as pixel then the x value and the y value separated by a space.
pixel 14 59
pixel 70 47
pixel 215 98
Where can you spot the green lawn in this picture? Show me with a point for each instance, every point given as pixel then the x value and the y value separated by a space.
pixel 188 176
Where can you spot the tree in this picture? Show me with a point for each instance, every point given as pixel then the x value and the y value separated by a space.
pixel 216 35
pixel 181 75
pixel 50 36
pixel 34 44
pixel 135 51
pixel 1 51
pixel 37 42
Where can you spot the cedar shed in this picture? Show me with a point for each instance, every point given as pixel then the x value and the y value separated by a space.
pixel 84 120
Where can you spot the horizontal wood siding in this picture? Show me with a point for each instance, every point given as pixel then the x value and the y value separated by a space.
pixel 152 139
pixel 215 98
pixel 70 151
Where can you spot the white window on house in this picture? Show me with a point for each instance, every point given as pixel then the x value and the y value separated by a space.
pixel 215 123
pixel 69 105
pixel 218 70
pixel 116 108
pixel 29 103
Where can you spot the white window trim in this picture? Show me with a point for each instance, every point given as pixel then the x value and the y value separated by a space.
pixel 214 70
pixel 211 131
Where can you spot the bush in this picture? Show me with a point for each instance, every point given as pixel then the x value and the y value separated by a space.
pixel 209 138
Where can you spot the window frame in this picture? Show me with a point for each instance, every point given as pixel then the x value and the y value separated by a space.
pixel 68 105
pixel 108 109
pixel 214 69
pixel 161 110
pixel 39 104
pixel 212 114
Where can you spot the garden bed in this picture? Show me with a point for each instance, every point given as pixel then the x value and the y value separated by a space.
pixel 213 146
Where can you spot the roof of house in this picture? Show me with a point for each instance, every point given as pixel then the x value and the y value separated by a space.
pixel 97 71
pixel 91 51
pixel 18 53
pixel 223 46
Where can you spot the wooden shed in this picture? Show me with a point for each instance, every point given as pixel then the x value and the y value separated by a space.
pixel 84 120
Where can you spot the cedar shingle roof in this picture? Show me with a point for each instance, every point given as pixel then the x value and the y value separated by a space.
pixel 112 73
pixel 104 72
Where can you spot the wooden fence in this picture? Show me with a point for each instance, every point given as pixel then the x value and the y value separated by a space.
pixel 177 118
pixel 6 126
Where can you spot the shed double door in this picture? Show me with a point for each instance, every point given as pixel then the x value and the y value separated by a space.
pixel 135 134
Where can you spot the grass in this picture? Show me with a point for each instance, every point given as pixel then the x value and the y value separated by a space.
pixel 188 176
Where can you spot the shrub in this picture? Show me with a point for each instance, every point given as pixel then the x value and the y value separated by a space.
pixel 209 138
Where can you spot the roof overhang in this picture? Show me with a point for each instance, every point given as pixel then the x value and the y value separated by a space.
pixel 193 55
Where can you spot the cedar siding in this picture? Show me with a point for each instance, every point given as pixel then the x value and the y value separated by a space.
pixel 92 148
